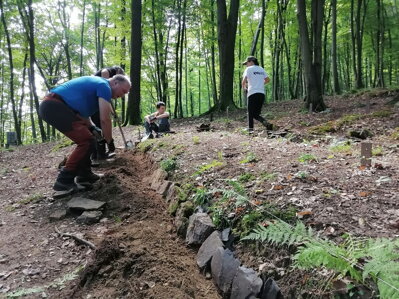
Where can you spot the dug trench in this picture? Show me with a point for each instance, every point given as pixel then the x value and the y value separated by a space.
pixel 141 255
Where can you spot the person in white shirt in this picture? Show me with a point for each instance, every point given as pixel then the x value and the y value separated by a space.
pixel 254 79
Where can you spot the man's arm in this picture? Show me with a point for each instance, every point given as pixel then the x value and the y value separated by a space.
pixel 244 83
pixel 105 118
pixel 147 117
pixel 164 115
pixel 267 80
pixel 105 73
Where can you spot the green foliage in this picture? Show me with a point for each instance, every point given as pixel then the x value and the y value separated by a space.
pixel 173 206
pixel 342 148
pixel 246 177
pixel 382 113
pixel 305 158
pixel 379 255
pixel 268 176
pixel 302 175
pixel 31 199
pixel 250 158
pixel 196 140
pixel 328 127
pixel 201 196
pixel 209 166
pixel 146 145
pixel 377 151
pixel 395 134
pixel 64 142
pixel 169 164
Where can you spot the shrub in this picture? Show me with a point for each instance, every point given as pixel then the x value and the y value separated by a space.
pixel 169 164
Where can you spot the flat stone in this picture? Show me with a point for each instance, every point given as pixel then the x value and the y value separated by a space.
pixel 271 290
pixel 246 284
pixel 157 178
pixel 200 226
pixel 208 249
pixel 224 267
pixel 172 193
pixel 58 215
pixel 164 188
pixel 30 272
pixel 85 204
pixel 89 217
pixel 226 234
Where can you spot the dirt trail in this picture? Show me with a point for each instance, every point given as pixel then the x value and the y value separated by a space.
pixel 138 252
pixel 141 257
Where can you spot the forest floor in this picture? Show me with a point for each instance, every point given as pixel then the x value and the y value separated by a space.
pixel 309 169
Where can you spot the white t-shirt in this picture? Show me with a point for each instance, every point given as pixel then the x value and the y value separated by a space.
pixel 256 76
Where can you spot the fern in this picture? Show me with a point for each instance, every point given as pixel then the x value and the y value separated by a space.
pixel 381 254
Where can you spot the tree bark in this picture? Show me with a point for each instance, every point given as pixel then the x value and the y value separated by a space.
pixel 133 116
pixel 227 28
pixel 312 67
pixel 337 88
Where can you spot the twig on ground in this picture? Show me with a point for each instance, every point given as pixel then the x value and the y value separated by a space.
pixel 76 238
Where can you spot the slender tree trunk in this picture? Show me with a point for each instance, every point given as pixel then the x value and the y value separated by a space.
pixel 133 116
pixel 177 52
pixel 11 81
pixel 213 56
pixel 81 71
pixel 337 88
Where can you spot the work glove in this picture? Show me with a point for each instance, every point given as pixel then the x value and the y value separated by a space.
pixel 97 132
pixel 111 146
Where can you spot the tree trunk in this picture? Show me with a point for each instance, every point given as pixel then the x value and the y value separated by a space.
pixel 227 28
pixel 82 38
pixel 11 82
pixel 133 116
pixel 337 88
pixel 312 67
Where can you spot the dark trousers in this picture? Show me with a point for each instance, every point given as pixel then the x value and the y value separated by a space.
pixel 255 103
pixel 55 112
pixel 163 126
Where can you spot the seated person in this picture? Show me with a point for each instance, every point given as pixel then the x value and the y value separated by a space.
pixel 160 116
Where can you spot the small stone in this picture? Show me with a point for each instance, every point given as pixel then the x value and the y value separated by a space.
pixel 226 234
pixel 199 228
pixel 85 204
pixel 271 290
pixel 224 267
pixel 57 215
pixel 89 217
pixel 208 249
pixel 246 284
pixel 30 272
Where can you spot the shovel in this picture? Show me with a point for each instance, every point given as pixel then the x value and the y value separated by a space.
pixel 128 143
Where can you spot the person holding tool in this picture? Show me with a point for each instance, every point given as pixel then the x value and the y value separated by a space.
pixel 68 107
pixel 254 79
pixel 99 152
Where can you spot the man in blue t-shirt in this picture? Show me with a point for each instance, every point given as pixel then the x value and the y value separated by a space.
pixel 68 108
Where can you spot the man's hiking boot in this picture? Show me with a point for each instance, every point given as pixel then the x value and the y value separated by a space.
pixel 87 177
pixel 148 136
pixel 267 125
pixel 66 181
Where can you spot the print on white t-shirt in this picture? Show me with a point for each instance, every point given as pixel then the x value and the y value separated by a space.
pixel 256 76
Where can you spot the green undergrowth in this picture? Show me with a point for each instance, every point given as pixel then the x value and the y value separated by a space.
pixel 362 259
pixel 395 134
pixel 204 168
pixel 169 164
pixel 64 142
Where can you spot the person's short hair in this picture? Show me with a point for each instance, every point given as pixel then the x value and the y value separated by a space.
pixel 121 79
pixel 160 104
pixel 119 70
pixel 251 58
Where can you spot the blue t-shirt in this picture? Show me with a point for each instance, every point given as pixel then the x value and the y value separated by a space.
pixel 81 94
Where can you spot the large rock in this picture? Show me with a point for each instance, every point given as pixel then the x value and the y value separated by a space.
pixel 246 284
pixel 164 188
pixel 208 249
pixel 271 290
pixel 157 178
pixel 224 267
pixel 185 210
pixel 85 204
pixel 89 217
pixel 199 228
pixel 172 193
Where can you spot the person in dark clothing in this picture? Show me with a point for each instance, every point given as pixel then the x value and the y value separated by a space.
pixel 160 116
pixel 99 152
pixel 254 79
pixel 68 108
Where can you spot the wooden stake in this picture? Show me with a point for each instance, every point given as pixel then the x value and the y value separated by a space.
pixel 366 152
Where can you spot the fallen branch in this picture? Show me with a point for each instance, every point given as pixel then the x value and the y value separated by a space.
pixel 76 238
